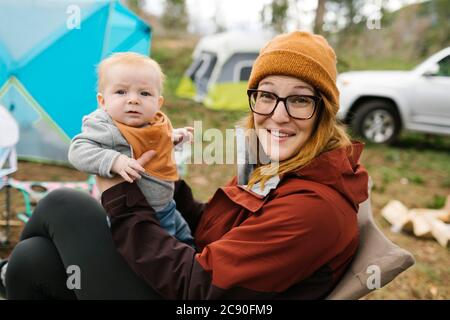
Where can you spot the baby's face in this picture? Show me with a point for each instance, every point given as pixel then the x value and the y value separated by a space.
pixel 131 94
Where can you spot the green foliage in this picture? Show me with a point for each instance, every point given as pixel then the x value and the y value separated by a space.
pixel 174 62
pixel 415 178
pixel 446 182
pixel 437 203
pixel 439 33
pixel 175 17
pixel 353 60
pixel 402 39
pixel 134 5
pixel 274 15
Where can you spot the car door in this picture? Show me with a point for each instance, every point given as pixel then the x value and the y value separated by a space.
pixel 431 97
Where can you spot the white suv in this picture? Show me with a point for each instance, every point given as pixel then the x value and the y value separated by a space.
pixel 378 104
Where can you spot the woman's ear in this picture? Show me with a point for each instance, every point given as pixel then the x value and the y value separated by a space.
pixel 100 100
pixel 160 101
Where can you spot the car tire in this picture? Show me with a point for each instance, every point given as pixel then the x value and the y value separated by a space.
pixel 376 121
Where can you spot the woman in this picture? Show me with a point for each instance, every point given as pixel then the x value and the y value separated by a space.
pixel 289 234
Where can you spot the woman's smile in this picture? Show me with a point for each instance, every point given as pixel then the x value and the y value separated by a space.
pixel 280 135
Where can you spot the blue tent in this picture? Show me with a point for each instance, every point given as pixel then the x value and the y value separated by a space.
pixel 48 53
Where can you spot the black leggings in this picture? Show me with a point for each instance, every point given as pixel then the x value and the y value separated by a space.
pixel 69 228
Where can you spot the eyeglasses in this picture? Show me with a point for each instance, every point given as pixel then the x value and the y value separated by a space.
pixel 300 107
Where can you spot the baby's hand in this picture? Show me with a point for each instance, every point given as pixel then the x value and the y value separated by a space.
pixel 127 168
pixel 182 135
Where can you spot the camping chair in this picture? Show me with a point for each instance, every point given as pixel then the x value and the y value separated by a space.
pixel 9 136
pixel 375 253
pixel 8 160
pixel 377 256
pixel 33 191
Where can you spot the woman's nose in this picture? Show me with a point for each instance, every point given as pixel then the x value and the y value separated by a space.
pixel 280 114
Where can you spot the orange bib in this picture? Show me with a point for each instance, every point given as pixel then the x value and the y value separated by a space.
pixel 156 136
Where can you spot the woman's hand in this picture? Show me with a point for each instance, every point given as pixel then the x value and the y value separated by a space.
pixel 106 183
pixel 128 168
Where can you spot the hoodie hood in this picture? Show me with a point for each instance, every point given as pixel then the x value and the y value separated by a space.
pixel 341 170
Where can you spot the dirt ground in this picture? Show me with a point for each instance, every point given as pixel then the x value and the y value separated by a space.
pixel 428 279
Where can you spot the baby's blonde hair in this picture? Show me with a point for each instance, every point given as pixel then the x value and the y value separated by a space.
pixel 130 58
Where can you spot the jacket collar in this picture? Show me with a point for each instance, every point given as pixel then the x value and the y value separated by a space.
pixel 338 169
pixel 270 184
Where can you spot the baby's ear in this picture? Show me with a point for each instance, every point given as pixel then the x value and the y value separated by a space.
pixel 160 101
pixel 100 100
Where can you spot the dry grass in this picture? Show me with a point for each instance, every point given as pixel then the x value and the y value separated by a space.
pixel 423 161
pixel 428 279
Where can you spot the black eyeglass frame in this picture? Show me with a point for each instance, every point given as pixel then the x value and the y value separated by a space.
pixel 316 99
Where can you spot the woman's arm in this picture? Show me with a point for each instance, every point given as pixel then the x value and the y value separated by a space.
pixel 260 258
pixel 190 208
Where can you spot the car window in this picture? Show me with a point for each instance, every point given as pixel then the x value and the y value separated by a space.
pixel 444 67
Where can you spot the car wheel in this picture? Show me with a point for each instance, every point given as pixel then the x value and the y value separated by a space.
pixel 376 121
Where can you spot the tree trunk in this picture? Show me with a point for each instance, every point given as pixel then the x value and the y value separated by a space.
pixel 320 13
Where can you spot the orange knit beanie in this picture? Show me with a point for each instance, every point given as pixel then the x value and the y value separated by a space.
pixel 302 55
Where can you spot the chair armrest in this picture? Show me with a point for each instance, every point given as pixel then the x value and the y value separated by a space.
pixel 375 253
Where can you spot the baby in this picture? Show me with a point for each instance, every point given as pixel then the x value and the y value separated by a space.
pixel 127 124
